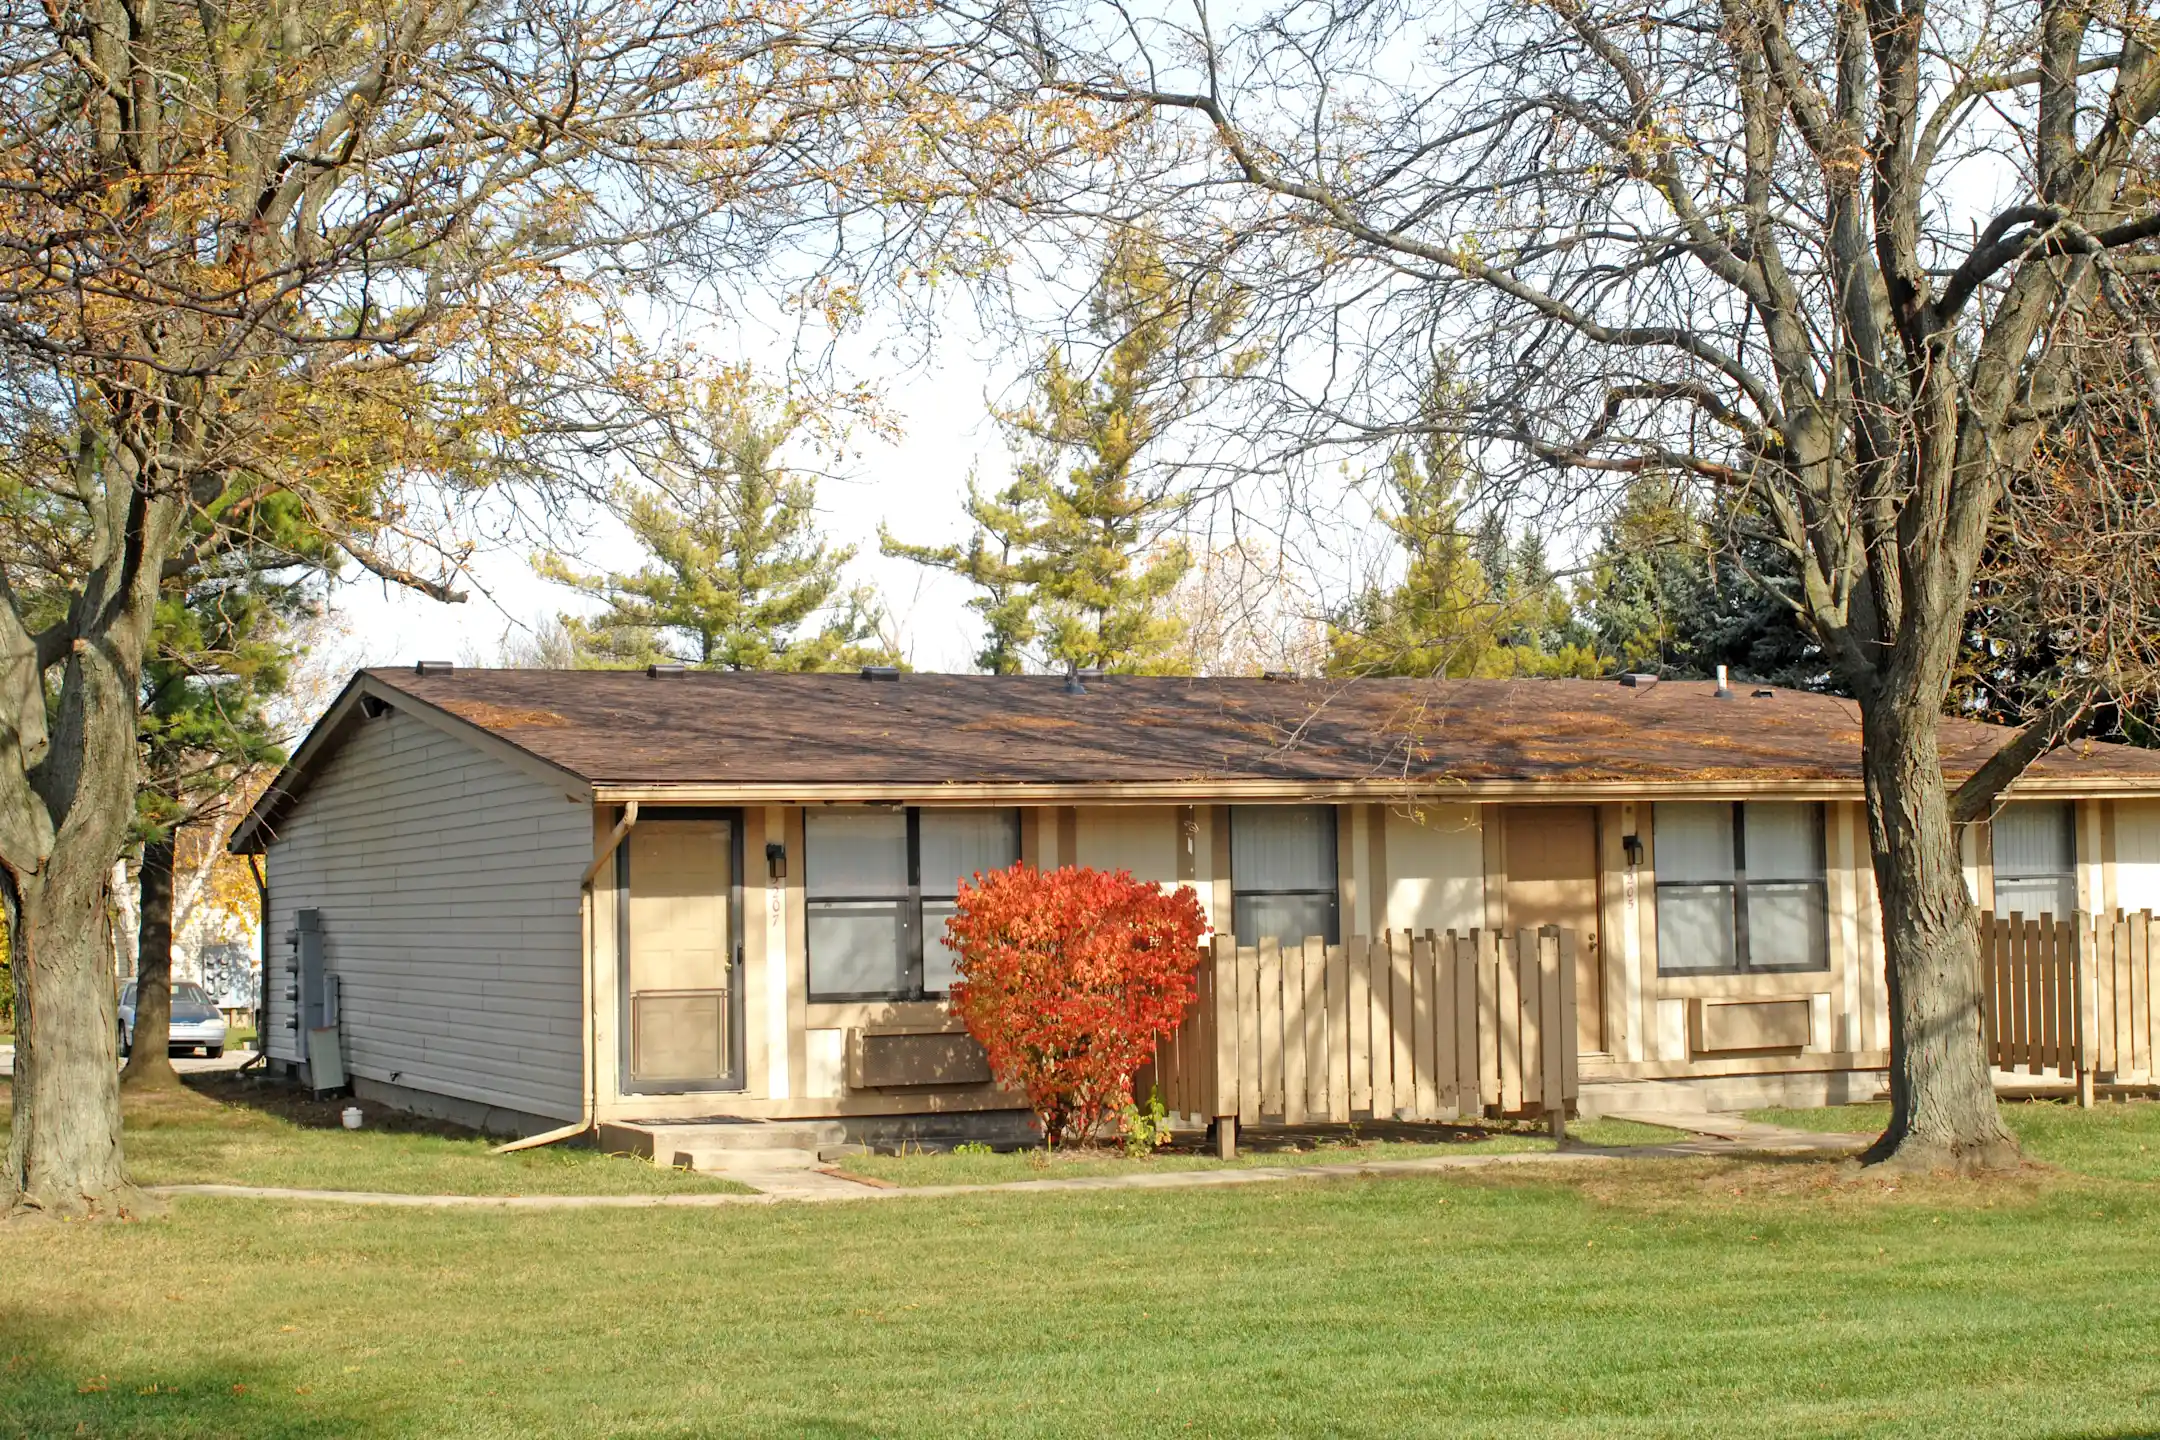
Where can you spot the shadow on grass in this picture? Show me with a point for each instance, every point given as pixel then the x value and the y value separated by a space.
pixel 41 1394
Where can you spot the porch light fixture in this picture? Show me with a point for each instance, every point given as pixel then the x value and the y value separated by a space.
pixel 776 860
pixel 1631 846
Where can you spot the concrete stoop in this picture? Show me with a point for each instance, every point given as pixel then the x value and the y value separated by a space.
pixel 733 1148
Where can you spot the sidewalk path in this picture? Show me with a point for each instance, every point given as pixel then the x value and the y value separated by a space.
pixel 821 1186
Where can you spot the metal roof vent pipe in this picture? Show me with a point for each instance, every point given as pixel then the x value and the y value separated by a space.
pixel 1072 679
pixel 1724 690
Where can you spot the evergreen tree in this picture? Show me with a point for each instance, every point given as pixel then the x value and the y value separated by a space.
pixel 1468 604
pixel 1072 558
pixel 738 577
pixel 1678 593
pixel 221 652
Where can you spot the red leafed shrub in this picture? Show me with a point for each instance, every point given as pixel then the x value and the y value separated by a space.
pixel 1069 978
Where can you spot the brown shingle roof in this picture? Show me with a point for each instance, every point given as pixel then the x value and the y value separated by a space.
pixel 623 729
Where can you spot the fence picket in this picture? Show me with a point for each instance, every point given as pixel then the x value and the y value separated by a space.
pixel 1315 1041
pixel 1358 969
pixel 1552 1076
pixel 1445 1025
pixel 1402 1030
pixel 1469 1098
pixel 1338 1037
pixel 1518 1028
pixel 1423 1012
pixel 1568 1044
pixel 2140 994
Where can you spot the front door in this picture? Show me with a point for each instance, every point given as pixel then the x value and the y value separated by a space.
pixel 681 956
pixel 1552 879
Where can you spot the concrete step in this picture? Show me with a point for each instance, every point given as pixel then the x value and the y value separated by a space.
pixel 708 1161
pixel 662 1141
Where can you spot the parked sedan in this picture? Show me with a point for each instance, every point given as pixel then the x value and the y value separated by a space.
pixel 196 1023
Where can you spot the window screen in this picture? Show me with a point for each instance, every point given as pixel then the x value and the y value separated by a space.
pixel 1741 887
pixel 855 901
pixel 957 845
pixel 878 887
pixel 1282 873
pixel 2036 859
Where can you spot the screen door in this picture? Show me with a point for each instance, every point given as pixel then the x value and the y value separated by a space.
pixel 680 955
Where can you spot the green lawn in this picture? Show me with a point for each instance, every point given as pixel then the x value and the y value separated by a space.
pixel 1631 1298
pixel 917 1168
pixel 2117 1140
pixel 187 1136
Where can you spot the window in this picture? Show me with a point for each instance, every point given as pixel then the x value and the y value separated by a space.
pixel 2036 859
pixel 878 887
pixel 1741 887
pixel 1282 873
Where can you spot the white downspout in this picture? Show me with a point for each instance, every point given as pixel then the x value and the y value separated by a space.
pixel 589 1100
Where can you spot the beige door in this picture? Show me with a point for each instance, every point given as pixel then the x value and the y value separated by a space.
pixel 681 951
pixel 1552 879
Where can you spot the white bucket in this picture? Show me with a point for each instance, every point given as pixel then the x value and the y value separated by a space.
pixel 351 1117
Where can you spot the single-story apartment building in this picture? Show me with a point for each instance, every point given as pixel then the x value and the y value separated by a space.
pixel 527 898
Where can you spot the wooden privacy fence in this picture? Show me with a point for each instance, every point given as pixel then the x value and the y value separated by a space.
pixel 1431 1026
pixel 2071 996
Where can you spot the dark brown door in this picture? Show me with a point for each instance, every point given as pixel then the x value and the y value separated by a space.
pixel 1552 879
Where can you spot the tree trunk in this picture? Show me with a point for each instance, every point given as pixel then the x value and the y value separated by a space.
pixel 150 1061
pixel 64 1150
pixel 1942 1101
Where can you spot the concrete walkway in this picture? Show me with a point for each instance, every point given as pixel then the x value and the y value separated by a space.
pixel 1725 1136
pixel 827 1186
pixel 1721 1134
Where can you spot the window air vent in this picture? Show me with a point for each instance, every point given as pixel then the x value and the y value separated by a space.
pixel 881 672
pixel 434 667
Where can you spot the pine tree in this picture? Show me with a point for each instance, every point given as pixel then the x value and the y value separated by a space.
pixel 1468 604
pixel 222 651
pixel 1073 559
pixel 1677 592
pixel 738 576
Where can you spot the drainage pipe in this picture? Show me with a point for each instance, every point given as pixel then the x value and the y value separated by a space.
pixel 587 922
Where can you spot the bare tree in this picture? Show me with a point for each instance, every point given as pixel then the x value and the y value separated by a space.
pixel 314 255
pixel 1845 261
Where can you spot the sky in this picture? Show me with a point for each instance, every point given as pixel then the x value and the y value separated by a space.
pixel 915 484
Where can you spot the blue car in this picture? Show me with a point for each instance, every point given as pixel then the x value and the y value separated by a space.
pixel 196 1023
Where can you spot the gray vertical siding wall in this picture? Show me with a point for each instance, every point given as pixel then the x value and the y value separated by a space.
pixel 448 885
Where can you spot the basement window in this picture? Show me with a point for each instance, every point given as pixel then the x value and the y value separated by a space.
pixel 878 887
pixel 1282 873
pixel 1741 887
pixel 2036 859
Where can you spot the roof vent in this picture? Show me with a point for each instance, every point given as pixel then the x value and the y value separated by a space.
pixel 433 667
pixel 1638 680
pixel 1089 672
pixel 667 670
pixel 1072 678
pixel 1764 694
pixel 1724 690
pixel 881 672
pixel 1278 675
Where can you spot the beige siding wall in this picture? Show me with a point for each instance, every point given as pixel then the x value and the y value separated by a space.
pixel 2137 854
pixel 1435 876
pixel 448 885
